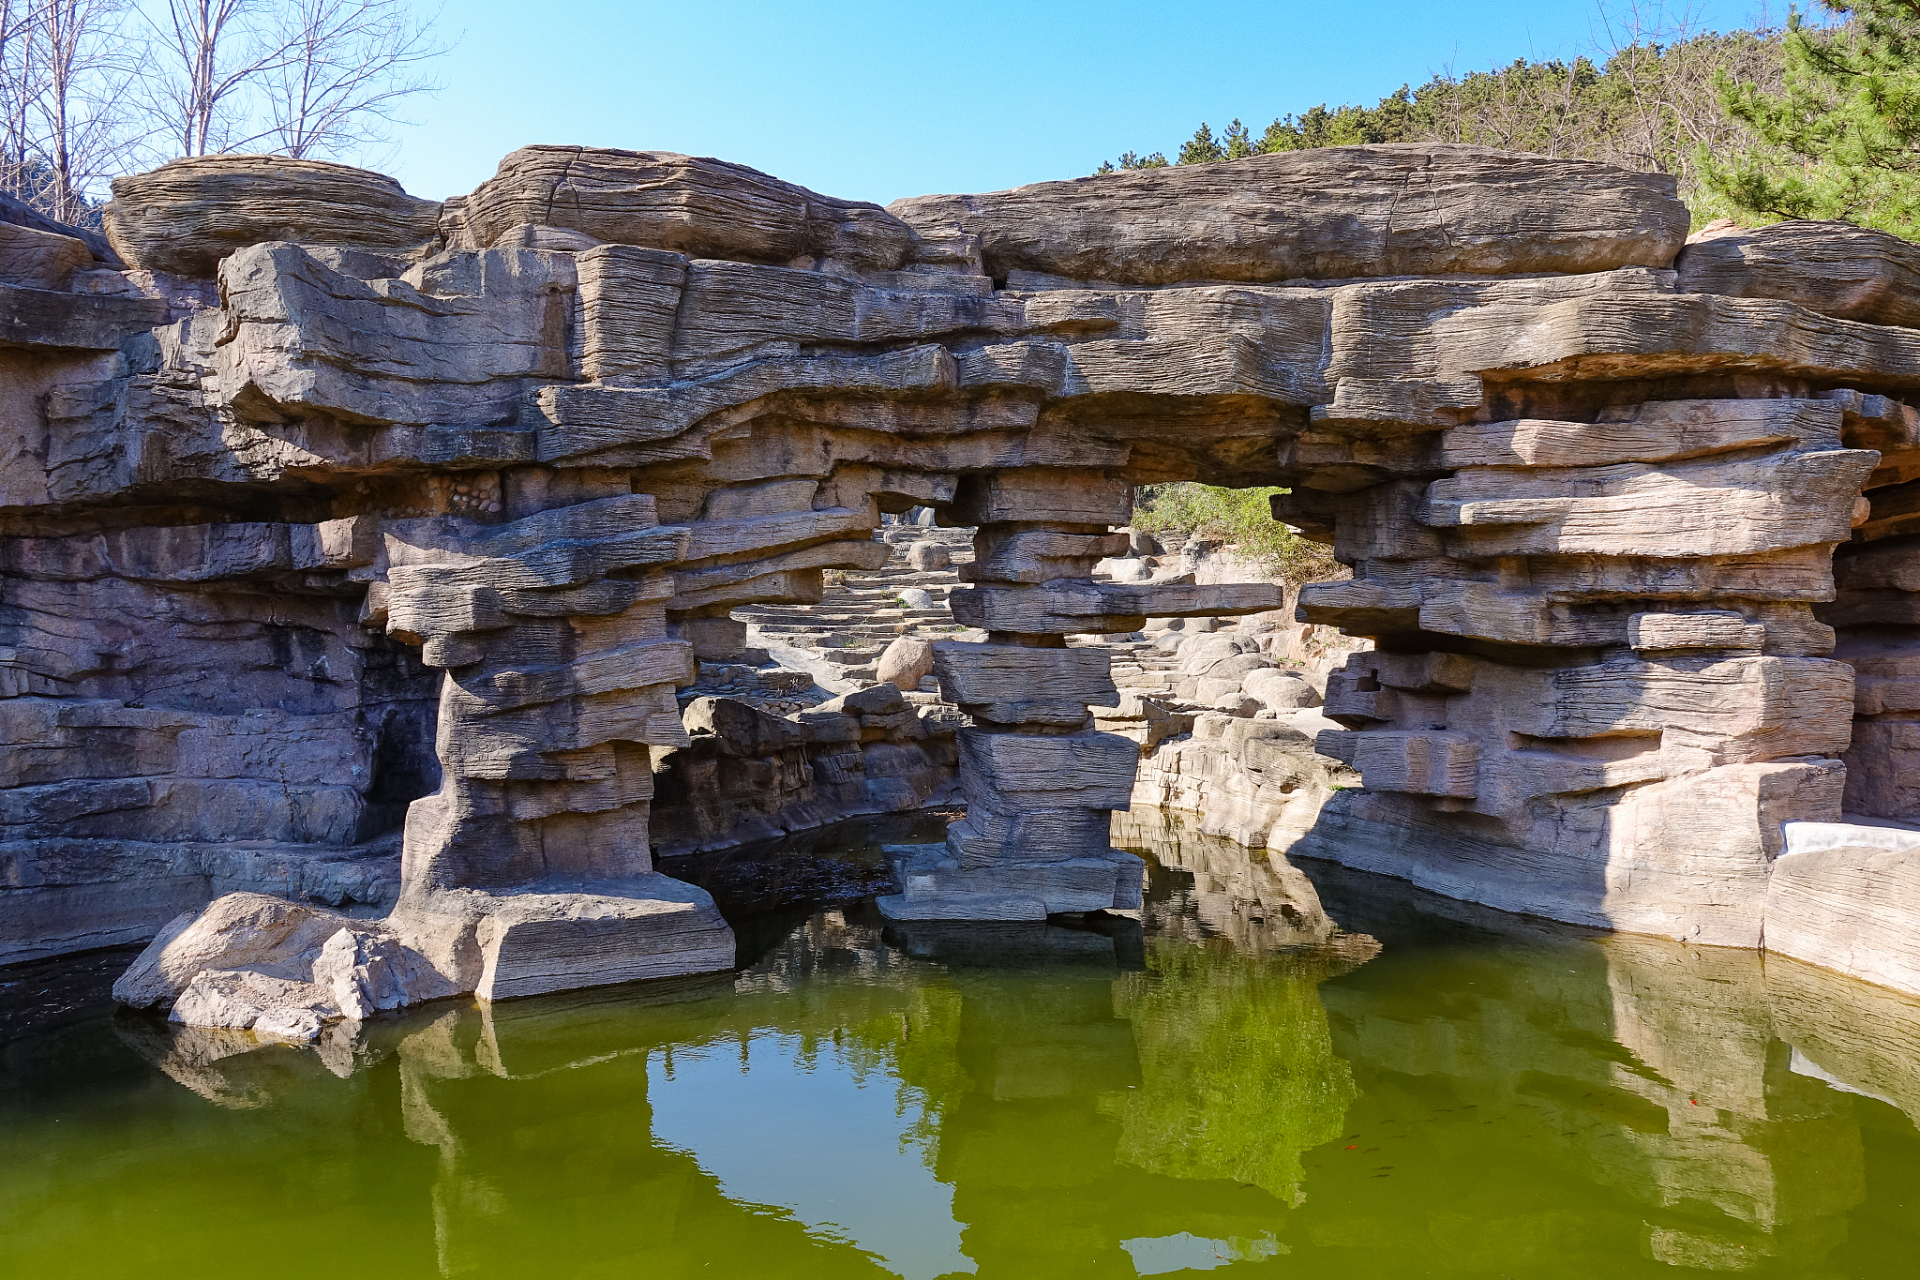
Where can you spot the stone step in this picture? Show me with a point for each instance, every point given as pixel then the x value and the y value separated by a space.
pixel 900 569
pixel 856 640
pixel 850 657
pixel 876 593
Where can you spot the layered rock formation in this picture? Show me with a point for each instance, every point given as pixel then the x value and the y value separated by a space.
pixel 317 476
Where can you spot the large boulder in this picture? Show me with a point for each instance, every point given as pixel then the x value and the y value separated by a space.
pixel 929 557
pixel 1835 268
pixel 1847 897
pixel 1223 656
pixel 905 663
pixel 247 1000
pixel 187 215
pixel 237 931
pixel 739 728
pixel 1280 690
pixel 1326 214
pixel 18 213
pixel 701 207
pixel 39 259
pixel 251 962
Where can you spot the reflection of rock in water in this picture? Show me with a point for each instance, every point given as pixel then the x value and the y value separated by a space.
pixel 1680 1077
pixel 836 943
pixel 1102 945
pixel 1779 1158
pixel 239 1069
pixel 1254 898
pixel 1073 1090
pixel 1085 1093
pixel 1062 1077
pixel 1864 1039
pixel 513 1092
pixel 1238 1071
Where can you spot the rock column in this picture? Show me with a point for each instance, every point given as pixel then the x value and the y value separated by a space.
pixel 1040 781
pixel 529 870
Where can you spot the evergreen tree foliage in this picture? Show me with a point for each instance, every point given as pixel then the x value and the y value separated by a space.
pixel 1652 103
pixel 1134 160
pixel 1841 137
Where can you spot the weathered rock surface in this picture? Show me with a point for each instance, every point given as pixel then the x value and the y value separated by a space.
pixel 38 259
pixel 251 962
pixel 1259 782
pixel 345 519
pixel 1331 214
pixel 700 207
pixel 17 213
pixel 1835 268
pixel 247 1000
pixel 187 215
pixel 747 775
pixel 283 969
pixel 239 931
pixel 929 555
pixel 906 662
pixel 1847 897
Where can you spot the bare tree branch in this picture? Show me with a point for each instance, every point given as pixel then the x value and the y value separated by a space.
pixel 76 124
pixel 216 50
pixel 349 64
pixel 19 84
pixel 304 77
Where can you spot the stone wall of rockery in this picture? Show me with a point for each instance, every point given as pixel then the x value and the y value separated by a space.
pixel 332 520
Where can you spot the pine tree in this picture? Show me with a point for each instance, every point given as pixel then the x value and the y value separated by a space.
pixel 1842 137
pixel 1134 160
pixel 1201 148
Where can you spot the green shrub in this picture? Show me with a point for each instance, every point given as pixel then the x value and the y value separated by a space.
pixel 1243 517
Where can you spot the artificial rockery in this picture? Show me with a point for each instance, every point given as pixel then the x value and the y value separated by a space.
pixel 328 510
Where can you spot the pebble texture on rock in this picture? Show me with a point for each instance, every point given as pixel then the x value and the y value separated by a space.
pixel 337 507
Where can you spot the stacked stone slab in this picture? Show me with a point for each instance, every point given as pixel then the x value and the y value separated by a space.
pixel 1667 556
pixel 1040 780
pixel 1605 599
pixel 527 451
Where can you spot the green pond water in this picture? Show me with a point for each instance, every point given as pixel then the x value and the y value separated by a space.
pixel 1480 1096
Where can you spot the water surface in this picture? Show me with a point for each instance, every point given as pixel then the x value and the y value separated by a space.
pixel 1474 1096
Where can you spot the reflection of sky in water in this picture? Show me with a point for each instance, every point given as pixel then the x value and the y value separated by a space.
pixel 1801 1065
pixel 812 1138
pixel 1183 1252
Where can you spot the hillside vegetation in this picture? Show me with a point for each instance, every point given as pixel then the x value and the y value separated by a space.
pixel 1647 106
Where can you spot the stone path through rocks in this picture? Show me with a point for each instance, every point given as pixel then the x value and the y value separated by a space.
pixel 840 639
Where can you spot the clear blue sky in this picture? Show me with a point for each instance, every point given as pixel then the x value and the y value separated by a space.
pixel 875 101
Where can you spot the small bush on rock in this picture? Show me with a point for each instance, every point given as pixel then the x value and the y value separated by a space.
pixel 1243 517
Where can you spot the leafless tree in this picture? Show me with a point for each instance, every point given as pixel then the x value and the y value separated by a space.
pixel 1641 96
pixel 213 51
pixel 1665 62
pixel 89 88
pixel 303 77
pixel 19 80
pixel 346 67
pixel 76 124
